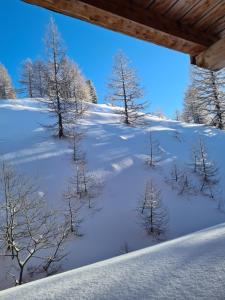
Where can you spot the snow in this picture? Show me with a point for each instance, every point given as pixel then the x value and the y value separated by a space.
pixel 190 267
pixel 117 154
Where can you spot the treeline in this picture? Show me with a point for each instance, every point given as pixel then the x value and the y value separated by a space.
pixel 38 77
pixel 204 101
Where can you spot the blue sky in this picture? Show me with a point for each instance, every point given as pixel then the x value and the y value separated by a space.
pixel 164 73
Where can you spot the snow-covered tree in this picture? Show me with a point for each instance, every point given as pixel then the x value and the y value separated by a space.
pixel 6 88
pixel 91 92
pixel 193 111
pixel 40 78
pixel 27 78
pixel 125 90
pixel 28 229
pixel 204 101
pixel 77 89
pixel 154 214
pixel 205 168
pixel 154 151
pixel 177 115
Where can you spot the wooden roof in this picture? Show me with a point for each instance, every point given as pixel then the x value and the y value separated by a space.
pixel 195 27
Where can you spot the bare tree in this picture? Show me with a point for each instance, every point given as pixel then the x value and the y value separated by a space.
pixel 125 89
pixel 6 89
pixel 154 214
pixel 28 230
pixel 27 78
pixel 75 141
pixel 84 186
pixel 177 115
pixel 193 108
pixel 174 175
pixel 40 78
pixel 185 185
pixel 55 69
pixel 204 100
pixel 57 254
pixel 92 92
pixel 154 151
pixel 205 168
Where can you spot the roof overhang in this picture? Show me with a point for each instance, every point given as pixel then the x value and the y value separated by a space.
pixel 193 27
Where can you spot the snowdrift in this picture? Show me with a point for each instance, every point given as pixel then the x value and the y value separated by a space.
pixel 117 154
pixel 191 267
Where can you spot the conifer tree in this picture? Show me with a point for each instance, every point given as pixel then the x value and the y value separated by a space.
pixel 40 78
pixel 154 214
pixel 92 92
pixel 205 168
pixel 6 88
pixel 125 89
pixel 154 151
pixel 27 78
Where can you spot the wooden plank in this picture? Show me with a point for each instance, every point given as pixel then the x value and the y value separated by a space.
pixel 210 16
pixel 181 8
pixel 213 58
pixel 160 6
pixel 125 17
pixel 202 7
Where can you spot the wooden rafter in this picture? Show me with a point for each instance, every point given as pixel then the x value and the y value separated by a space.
pixel 156 21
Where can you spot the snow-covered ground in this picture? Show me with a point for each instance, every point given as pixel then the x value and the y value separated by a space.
pixel 117 153
pixel 190 267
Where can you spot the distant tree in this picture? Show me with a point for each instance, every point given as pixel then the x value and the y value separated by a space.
pixel 154 214
pixel 177 115
pixel 92 92
pixel 78 90
pixel 84 186
pixel 40 78
pixel 124 89
pixel 159 113
pixel 193 110
pixel 205 168
pixel 154 151
pixel 75 141
pixel 27 78
pixel 6 88
pixel 175 174
pixel 185 185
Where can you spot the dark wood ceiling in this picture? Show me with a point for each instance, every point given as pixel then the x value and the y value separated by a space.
pixel 196 27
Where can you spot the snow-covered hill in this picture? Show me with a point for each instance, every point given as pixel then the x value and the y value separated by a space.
pixel 190 267
pixel 117 153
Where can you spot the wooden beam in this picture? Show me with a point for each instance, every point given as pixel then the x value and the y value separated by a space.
pixel 213 58
pixel 133 20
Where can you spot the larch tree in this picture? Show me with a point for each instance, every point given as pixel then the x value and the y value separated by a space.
pixel 92 92
pixel 125 90
pixel 78 90
pixel 6 89
pixel 154 214
pixel 204 101
pixel 40 78
pixel 56 56
pixel 27 78
pixel 154 151
pixel 192 107
pixel 205 168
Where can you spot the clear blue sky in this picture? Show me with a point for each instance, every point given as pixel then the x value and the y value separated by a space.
pixel 164 73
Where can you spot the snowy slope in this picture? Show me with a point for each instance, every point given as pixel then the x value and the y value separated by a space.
pixel 116 153
pixel 191 267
